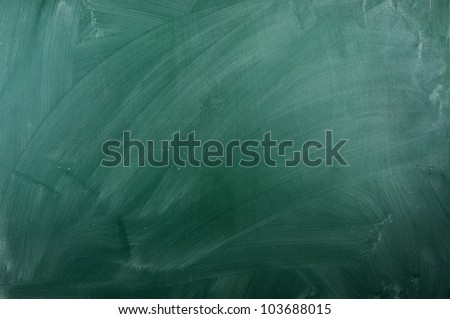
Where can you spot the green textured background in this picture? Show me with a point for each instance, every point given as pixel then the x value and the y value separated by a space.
pixel 75 73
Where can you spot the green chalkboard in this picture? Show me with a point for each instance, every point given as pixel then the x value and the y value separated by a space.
pixel 370 222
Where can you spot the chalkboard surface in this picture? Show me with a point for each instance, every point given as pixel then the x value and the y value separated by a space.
pixel 74 74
